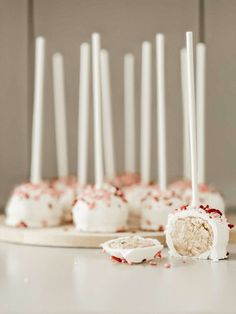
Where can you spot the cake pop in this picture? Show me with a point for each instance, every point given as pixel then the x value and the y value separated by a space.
pixel 65 185
pixel 35 204
pixel 99 209
pixel 196 231
pixel 156 205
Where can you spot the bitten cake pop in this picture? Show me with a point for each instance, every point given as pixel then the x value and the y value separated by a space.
pixel 156 205
pixel 35 204
pixel 64 185
pixel 199 232
pixel 99 209
pixel 137 192
pixel 196 231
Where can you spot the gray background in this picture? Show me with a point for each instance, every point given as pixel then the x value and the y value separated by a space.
pixel 124 24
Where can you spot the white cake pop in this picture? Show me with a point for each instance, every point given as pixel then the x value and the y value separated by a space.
pixel 101 210
pixel 68 189
pixel 156 207
pixel 34 205
pixel 135 194
pixel 207 196
pixel 198 232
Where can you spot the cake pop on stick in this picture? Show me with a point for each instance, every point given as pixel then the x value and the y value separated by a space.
pixel 65 185
pixel 207 194
pixel 129 176
pixel 107 117
pixel 135 193
pixel 99 209
pixel 181 185
pixel 35 204
pixel 196 231
pixel 156 205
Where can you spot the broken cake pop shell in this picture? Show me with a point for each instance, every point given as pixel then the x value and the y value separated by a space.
pixel 133 249
pixel 156 207
pixel 207 196
pixel 35 206
pixel 197 233
pixel 100 210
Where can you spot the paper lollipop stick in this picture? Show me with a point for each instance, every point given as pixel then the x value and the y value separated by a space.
pixel 130 150
pixel 83 130
pixel 37 129
pixel 186 149
pixel 60 114
pixel 161 116
pixel 146 113
pixel 107 116
pixel 192 118
pixel 200 100
pixel 99 176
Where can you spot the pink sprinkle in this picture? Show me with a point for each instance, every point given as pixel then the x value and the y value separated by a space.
pixel 91 205
pixel 167 265
pixel 153 263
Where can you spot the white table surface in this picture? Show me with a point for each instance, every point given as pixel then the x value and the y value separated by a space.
pixel 56 280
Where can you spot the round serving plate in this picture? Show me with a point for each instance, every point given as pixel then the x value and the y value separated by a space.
pixel 64 236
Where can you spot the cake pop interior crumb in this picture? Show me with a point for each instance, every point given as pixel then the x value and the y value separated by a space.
pixel 131 243
pixel 192 236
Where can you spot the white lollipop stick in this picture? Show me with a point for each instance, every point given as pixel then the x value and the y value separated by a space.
pixel 130 159
pixel 107 116
pixel 97 109
pixel 83 130
pixel 146 113
pixel 200 100
pixel 192 118
pixel 60 114
pixel 186 159
pixel 37 129
pixel 161 115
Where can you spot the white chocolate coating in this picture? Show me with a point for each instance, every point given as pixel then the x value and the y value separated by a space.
pixel 156 207
pixel 207 196
pixel 180 186
pixel 67 189
pixel 133 249
pixel 35 206
pixel 216 221
pixel 100 210
pixel 134 195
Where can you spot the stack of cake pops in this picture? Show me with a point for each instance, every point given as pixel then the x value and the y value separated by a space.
pixel 116 201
